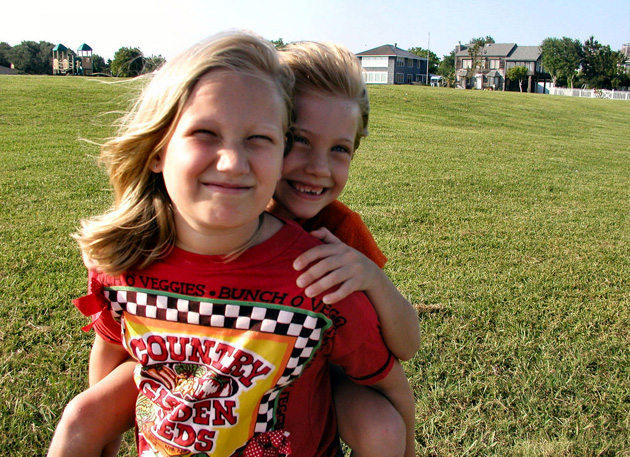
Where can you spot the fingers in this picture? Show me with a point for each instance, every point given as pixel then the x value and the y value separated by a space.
pixel 341 277
pixel 325 235
pixel 314 254
pixel 331 266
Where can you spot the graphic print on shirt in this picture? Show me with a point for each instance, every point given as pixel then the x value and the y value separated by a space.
pixel 210 371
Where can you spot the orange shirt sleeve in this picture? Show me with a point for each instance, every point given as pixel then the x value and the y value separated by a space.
pixel 348 226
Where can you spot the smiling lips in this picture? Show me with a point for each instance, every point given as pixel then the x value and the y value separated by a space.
pixel 306 189
pixel 228 188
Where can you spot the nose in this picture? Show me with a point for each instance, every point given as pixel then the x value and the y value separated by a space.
pixel 233 159
pixel 318 163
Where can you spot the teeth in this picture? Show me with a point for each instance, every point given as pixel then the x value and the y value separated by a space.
pixel 307 189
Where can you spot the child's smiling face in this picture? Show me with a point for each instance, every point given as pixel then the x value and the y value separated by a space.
pixel 224 159
pixel 316 169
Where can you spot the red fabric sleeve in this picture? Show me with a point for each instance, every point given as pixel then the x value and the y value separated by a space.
pixel 348 226
pixel 96 307
pixel 359 347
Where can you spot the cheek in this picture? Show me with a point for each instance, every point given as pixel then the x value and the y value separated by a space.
pixel 340 174
pixel 290 163
pixel 271 168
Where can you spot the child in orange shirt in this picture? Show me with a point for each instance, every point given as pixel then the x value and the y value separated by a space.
pixel 332 111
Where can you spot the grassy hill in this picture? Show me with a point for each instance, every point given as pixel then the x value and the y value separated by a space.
pixel 504 216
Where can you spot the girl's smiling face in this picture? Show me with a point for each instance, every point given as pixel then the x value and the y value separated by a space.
pixel 224 159
pixel 316 169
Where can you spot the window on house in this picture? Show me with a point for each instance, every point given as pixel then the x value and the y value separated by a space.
pixel 399 78
pixel 374 62
pixel 418 78
pixel 400 61
pixel 375 77
pixel 410 63
pixel 466 64
pixel 495 64
pixel 528 65
pixel 409 79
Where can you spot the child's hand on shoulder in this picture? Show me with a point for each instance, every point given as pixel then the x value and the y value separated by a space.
pixel 334 264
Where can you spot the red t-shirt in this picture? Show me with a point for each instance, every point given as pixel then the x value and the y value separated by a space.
pixel 227 351
pixel 348 226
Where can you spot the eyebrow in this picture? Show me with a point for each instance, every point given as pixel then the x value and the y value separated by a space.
pixel 297 129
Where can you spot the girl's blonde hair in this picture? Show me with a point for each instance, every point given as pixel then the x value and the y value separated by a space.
pixel 139 227
pixel 330 69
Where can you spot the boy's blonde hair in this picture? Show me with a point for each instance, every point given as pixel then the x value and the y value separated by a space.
pixel 139 227
pixel 330 69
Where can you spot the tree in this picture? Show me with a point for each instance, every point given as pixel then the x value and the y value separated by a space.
pixel 127 63
pixel 561 58
pixel 447 69
pixel 99 65
pixel 32 58
pixel 153 63
pixel 434 60
pixel 5 50
pixel 518 73
pixel 602 68
pixel 279 44
pixel 474 51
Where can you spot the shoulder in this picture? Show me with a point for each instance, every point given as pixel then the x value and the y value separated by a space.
pixel 349 227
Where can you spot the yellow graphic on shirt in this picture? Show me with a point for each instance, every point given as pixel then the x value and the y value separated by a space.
pixel 194 388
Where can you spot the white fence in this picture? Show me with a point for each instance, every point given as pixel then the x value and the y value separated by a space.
pixel 591 93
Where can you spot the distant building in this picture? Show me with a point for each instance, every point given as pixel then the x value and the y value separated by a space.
pixel 492 64
pixel 389 64
pixel 625 49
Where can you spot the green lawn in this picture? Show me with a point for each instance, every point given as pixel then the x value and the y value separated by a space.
pixel 504 216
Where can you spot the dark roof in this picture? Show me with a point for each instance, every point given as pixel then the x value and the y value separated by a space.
pixel 7 71
pixel 525 54
pixel 491 50
pixel 389 50
pixel 84 47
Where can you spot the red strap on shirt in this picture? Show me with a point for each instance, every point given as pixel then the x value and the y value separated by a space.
pixel 269 444
pixel 93 304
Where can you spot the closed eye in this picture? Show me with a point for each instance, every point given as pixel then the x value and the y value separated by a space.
pixel 262 138
pixel 204 132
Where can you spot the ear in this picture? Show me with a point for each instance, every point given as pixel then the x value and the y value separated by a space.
pixel 157 164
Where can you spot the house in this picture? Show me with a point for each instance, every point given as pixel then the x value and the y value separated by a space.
pixel 625 50
pixel 389 64
pixel 492 64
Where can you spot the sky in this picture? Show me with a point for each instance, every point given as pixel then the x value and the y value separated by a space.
pixel 167 27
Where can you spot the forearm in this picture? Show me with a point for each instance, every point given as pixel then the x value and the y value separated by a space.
pixel 397 390
pixel 104 358
pixel 398 318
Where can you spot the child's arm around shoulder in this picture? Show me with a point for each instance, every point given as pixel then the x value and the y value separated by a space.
pixel 337 264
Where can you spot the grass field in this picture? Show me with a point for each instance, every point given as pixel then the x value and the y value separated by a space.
pixel 505 217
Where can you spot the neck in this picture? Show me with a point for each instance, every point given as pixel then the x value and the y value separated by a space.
pixel 229 243
pixel 278 210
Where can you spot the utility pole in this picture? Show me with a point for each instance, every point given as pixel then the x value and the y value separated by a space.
pixel 428 57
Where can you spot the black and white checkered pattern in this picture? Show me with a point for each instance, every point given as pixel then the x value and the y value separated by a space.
pixel 307 327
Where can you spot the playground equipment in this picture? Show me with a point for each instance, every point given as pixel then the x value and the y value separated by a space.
pixel 66 62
